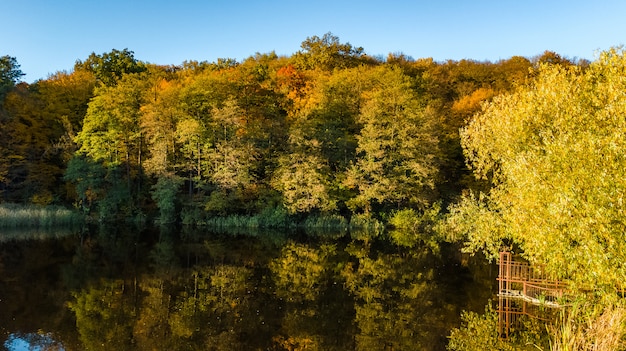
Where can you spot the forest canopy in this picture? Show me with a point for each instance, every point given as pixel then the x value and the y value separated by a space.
pixel 328 131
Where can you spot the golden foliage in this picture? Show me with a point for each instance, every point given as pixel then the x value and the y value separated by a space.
pixel 554 154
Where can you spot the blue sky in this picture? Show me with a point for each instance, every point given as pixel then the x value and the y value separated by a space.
pixel 47 36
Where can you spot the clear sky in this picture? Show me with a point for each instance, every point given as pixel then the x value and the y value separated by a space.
pixel 47 36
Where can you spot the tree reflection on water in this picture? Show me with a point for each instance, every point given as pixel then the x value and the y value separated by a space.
pixel 145 290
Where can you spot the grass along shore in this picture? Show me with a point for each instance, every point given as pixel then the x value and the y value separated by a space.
pixel 32 216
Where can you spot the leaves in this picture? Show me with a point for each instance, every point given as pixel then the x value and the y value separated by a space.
pixel 327 53
pixel 551 150
pixel 396 147
pixel 10 74
pixel 110 67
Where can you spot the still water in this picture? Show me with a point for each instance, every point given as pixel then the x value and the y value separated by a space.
pixel 129 289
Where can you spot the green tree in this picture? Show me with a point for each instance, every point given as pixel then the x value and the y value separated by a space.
pixel 88 178
pixel 553 154
pixel 164 194
pixel 303 181
pixel 112 136
pixel 10 74
pixel 100 189
pixel 479 332
pixel 328 53
pixel 109 67
pixel 397 150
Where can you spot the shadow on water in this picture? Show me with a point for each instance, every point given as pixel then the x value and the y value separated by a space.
pixel 164 288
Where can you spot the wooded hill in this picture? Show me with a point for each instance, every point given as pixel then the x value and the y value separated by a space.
pixel 326 131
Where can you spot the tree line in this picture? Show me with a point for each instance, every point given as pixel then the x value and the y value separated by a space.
pixel 522 154
pixel 328 130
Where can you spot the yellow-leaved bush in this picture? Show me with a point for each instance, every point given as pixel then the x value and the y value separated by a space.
pixel 554 152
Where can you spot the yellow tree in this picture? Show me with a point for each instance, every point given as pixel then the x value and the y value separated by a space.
pixel 112 137
pixel 322 142
pixel 38 123
pixel 158 123
pixel 303 178
pixel 231 158
pixel 397 149
pixel 31 168
pixel 553 152
pixel 198 97
pixel 396 306
pixel 111 129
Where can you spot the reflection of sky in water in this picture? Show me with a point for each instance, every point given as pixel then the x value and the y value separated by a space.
pixel 17 344
pixel 30 342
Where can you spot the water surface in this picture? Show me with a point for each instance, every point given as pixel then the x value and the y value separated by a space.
pixel 128 289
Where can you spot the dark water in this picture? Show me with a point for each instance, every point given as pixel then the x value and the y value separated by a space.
pixel 128 289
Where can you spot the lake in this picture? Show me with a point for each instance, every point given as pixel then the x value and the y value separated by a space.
pixel 122 288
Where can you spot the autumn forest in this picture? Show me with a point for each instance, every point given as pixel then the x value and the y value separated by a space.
pixel 328 131
pixel 522 154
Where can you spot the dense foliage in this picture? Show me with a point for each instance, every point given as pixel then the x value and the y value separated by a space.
pixel 328 131
pixel 554 152
pixel 553 155
pixel 524 154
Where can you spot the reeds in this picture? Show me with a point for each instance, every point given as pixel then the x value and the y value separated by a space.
pixel 590 327
pixel 32 216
